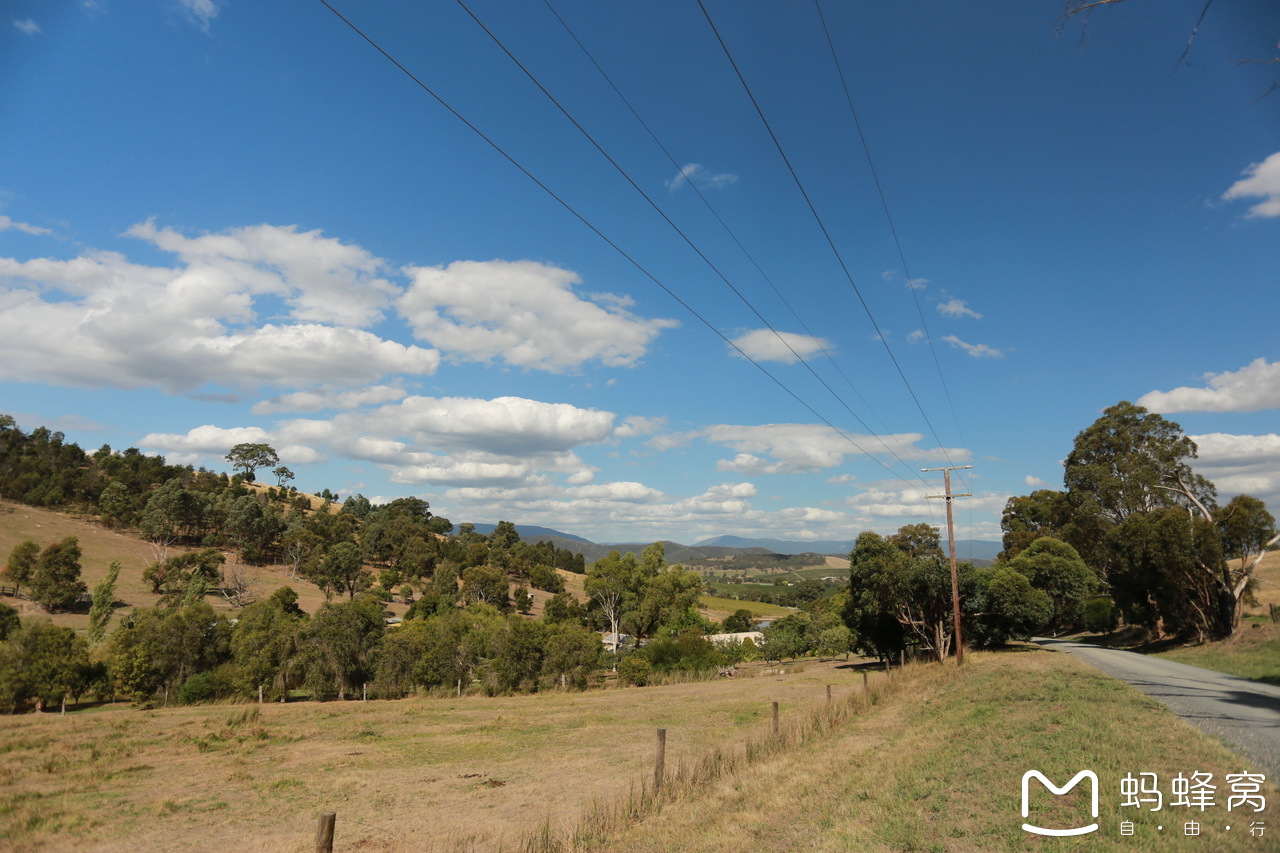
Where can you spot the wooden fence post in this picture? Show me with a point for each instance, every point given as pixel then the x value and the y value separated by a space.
pixel 866 687
pixel 775 718
pixel 828 694
pixel 660 760
pixel 324 832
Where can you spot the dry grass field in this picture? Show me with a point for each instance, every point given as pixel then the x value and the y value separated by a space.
pixel 414 774
pixel 933 764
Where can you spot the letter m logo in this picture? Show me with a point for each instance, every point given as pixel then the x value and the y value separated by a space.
pixel 1075 780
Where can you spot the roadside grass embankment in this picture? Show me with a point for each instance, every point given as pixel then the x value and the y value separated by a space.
pixel 938 766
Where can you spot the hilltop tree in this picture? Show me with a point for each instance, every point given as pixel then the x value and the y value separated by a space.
pixel 247 458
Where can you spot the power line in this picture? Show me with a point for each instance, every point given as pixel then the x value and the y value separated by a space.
pixel 581 218
pixel 751 258
pixel 671 223
pixel 818 219
pixel 893 230
pixel 728 230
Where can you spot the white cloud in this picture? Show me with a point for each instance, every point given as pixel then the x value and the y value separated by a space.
pixel 322 279
pixel 1241 464
pixel 1252 388
pixel 957 308
pixel 785 347
pixel 98 319
pixel 975 350
pixel 1262 180
pixel 918 283
pixel 700 177
pixel 316 401
pixel 795 448
pixel 27 26
pixel 525 313
pixel 200 11
pixel 917 336
pixel 212 443
pixel 6 224
pixel 635 425
pixel 1034 482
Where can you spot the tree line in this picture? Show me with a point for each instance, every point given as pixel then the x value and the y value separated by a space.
pixel 1136 537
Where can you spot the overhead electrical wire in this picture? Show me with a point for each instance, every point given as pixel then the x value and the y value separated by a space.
pixel 594 229
pixel 897 242
pixel 671 223
pixel 733 236
pixel 821 224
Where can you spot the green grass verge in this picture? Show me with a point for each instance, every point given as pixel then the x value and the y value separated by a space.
pixel 1253 652
pixel 938 767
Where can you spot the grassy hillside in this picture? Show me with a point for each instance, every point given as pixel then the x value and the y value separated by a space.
pixel 99 546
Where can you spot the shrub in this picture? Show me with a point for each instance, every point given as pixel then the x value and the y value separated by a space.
pixel 1100 615
pixel 634 670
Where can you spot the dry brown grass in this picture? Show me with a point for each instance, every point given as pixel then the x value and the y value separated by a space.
pixel 415 774
pixel 100 545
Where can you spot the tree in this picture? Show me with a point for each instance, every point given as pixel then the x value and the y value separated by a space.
pixel 1072 8
pixel 248 458
pixel 265 644
pixel 1246 527
pixel 874 570
pixel 1028 517
pixel 485 584
pixel 341 643
pixel 153 652
pixel 563 607
pixel 738 621
pixel 104 599
pixel 55 580
pixel 10 621
pixel 609 583
pixel 1002 605
pixel 524 601
pixel 1055 568
pixel 22 562
pixel 917 540
pixel 116 504
pixel 342 570
pixel 1169 574
pixel 42 663
pixel 283 475
pixel 1131 461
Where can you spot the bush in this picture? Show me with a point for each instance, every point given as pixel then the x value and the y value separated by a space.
pixel 197 688
pixel 634 670
pixel 1100 615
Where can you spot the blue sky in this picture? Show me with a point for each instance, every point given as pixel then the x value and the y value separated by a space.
pixel 224 221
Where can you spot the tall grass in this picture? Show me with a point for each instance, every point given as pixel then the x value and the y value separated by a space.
pixel 684 781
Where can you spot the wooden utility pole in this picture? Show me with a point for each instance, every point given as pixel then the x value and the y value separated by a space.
pixel 951 546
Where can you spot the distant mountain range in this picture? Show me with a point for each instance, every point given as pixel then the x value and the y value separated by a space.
pixel 722 546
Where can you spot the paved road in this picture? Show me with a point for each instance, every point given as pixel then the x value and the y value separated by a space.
pixel 1242 712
